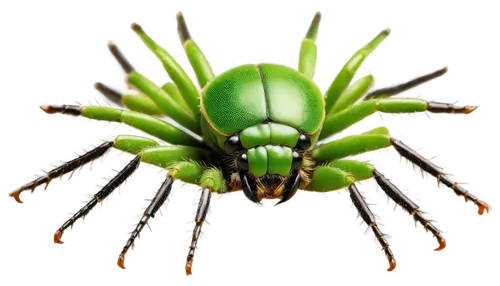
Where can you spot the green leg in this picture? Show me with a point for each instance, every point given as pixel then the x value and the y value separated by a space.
pixel 362 88
pixel 352 94
pixel 341 82
pixel 165 102
pixel 339 174
pixel 141 104
pixel 307 58
pixel 174 92
pixel 174 70
pixel 340 121
pixel 196 57
pixel 330 178
pixel 150 125
pixel 352 145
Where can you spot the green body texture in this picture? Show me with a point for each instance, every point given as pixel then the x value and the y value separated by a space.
pixel 272 133
pixel 270 159
pixel 251 94
pixel 253 128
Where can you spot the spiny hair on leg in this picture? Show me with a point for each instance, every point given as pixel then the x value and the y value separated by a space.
pixel 365 228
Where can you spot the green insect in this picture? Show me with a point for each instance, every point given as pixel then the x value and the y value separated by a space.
pixel 254 128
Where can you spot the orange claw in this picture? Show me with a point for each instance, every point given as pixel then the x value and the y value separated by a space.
pixel 57 237
pixel 121 262
pixel 441 246
pixel 188 269
pixel 391 265
pixel 482 206
pixel 16 195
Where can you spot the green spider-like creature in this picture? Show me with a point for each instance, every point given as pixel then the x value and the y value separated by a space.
pixel 257 128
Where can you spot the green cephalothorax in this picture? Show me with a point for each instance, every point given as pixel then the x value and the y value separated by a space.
pixel 266 111
pixel 253 128
pixel 250 94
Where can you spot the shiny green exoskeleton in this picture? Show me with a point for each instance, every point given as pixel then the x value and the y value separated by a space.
pixel 267 139
pixel 254 128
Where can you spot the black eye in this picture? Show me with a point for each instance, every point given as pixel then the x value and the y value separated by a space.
pixel 304 142
pixel 296 160
pixel 232 144
pixel 243 161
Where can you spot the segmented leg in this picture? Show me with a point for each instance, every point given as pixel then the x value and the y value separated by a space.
pixel 393 90
pixel 196 57
pixel 413 209
pixel 124 63
pixel 201 214
pixel 352 145
pixel 342 174
pixel 334 123
pixel 99 196
pixel 435 171
pixel 369 218
pixel 359 89
pixel 344 77
pixel 111 94
pixel 307 58
pixel 174 70
pixel 153 207
pixel 152 126
pixel 64 169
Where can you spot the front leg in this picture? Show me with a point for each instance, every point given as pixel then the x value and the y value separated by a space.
pixel 341 121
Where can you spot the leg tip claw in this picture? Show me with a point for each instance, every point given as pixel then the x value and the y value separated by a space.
pixel 121 262
pixel 482 206
pixel 469 109
pixel 188 269
pixel 441 246
pixel 392 265
pixel 16 195
pixel 57 237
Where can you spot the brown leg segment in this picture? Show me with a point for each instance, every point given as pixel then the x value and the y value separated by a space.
pixel 201 214
pixel 397 196
pixel 369 218
pixel 435 171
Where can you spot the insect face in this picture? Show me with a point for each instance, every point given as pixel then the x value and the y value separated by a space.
pixel 268 158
